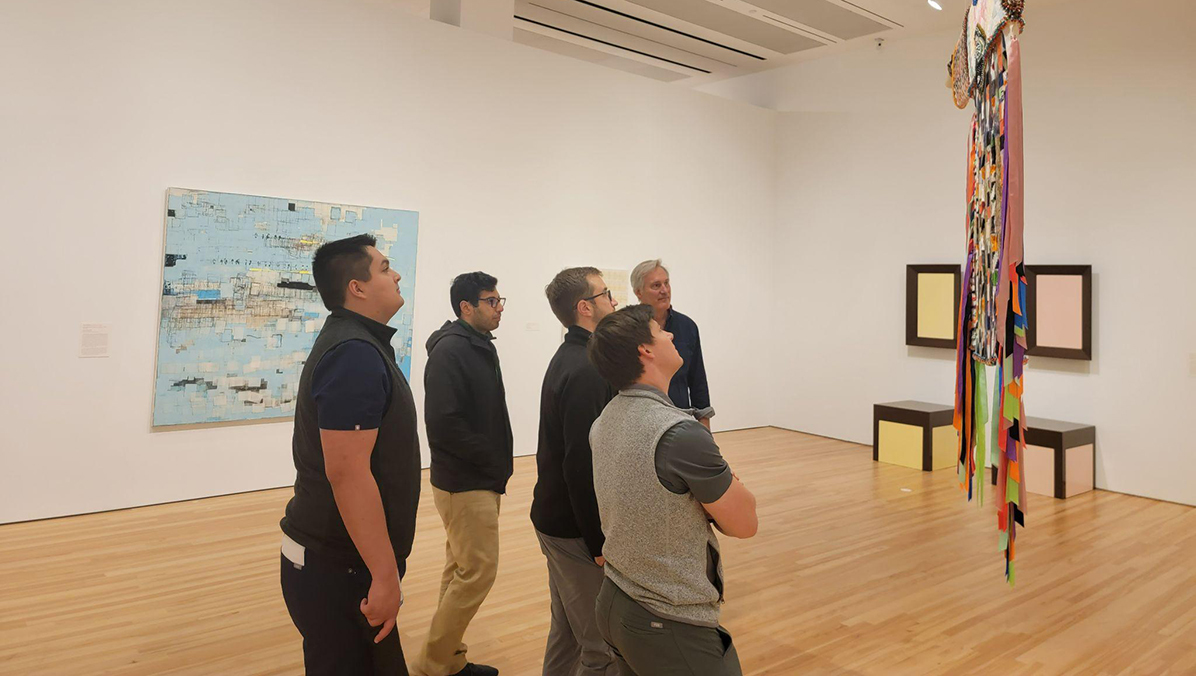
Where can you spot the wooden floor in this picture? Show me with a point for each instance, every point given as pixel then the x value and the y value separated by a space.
pixel 850 574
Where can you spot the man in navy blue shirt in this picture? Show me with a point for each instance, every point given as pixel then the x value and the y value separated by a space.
pixel 348 530
pixel 688 388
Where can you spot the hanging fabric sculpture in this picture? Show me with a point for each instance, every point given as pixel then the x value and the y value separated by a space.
pixel 985 69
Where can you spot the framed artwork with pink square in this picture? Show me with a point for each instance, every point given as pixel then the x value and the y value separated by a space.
pixel 1059 311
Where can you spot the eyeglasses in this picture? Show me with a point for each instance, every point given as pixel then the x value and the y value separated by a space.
pixel 494 301
pixel 609 296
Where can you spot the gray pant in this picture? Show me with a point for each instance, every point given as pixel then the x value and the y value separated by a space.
pixel 575 648
pixel 648 645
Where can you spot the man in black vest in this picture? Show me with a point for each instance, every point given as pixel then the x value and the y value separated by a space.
pixel 564 509
pixel 469 433
pixel 348 530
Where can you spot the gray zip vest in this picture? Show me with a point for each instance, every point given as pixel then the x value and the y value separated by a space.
pixel 656 541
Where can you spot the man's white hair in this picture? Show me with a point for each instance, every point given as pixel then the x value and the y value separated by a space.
pixel 643 270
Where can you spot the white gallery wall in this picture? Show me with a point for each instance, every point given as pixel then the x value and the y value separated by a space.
pixel 519 161
pixel 787 232
pixel 871 178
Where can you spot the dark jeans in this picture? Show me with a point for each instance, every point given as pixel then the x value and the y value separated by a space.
pixel 647 645
pixel 324 600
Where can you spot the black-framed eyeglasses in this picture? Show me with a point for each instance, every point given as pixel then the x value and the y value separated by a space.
pixel 609 296
pixel 494 301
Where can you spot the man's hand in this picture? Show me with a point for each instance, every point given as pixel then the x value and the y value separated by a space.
pixel 600 560
pixel 382 606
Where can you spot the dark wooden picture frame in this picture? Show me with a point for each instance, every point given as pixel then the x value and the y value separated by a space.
pixel 1032 346
pixel 911 304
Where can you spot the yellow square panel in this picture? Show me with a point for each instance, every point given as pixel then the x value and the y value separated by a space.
pixel 936 305
pixel 945 446
pixel 899 444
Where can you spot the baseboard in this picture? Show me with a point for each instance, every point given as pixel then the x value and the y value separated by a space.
pixel 820 436
pixel 150 504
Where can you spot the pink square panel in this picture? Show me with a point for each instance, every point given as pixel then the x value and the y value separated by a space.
pixel 1080 472
pixel 1040 470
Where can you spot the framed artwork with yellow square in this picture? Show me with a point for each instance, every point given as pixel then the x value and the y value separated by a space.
pixel 932 305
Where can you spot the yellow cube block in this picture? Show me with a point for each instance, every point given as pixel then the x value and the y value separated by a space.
pixel 914 434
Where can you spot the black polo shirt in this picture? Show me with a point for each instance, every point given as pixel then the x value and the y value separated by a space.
pixel 571 398
pixel 351 387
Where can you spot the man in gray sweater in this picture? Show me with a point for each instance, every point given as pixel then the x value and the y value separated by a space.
pixel 660 481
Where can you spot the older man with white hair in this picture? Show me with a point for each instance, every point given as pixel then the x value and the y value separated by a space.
pixel 688 388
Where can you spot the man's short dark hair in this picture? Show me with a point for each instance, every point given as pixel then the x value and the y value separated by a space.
pixel 614 347
pixel 566 289
pixel 339 262
pixel 468 287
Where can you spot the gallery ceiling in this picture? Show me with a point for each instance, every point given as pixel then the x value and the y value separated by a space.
pixel 693 42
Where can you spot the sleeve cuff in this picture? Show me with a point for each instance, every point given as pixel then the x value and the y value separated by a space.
pixel 716 488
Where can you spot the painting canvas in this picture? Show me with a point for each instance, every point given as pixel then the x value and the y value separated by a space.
pixel 619 283
pixel 239 308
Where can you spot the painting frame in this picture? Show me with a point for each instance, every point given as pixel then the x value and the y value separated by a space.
pixel 1033 348
pixel 912 272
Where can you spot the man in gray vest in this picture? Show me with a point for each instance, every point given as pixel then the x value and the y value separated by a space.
pixel 348 530
pixel 660 481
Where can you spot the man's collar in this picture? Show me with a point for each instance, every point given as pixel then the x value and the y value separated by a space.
pixel 379 330
pixel 640 389
pixel 578 334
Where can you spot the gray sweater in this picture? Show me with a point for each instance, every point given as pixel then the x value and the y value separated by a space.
pixel 657 541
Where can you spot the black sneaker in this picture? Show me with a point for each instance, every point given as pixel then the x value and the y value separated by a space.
pixel 472 669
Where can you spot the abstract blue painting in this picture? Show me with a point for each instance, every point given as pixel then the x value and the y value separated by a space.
pixel 240 310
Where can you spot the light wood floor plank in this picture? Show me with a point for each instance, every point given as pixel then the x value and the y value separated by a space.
pixel 848 575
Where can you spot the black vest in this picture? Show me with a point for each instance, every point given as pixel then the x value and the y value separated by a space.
pixel 312 518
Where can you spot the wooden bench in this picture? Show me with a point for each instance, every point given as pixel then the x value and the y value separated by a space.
pixel 1060 458
pixel 914 434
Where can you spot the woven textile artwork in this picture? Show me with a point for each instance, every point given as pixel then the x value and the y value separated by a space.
pixel 985 70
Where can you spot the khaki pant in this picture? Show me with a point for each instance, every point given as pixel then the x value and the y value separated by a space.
pixel 471 564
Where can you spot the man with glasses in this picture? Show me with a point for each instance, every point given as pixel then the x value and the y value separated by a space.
pixel 564 509
pixel 469 433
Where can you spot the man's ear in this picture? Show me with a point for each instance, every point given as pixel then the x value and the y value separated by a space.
pixel 354 289
pixel 582 305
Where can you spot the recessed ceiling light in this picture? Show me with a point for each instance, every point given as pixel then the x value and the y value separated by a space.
pixel 935 5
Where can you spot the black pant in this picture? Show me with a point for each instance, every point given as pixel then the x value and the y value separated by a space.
pixel 324 600
pixel 647 645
